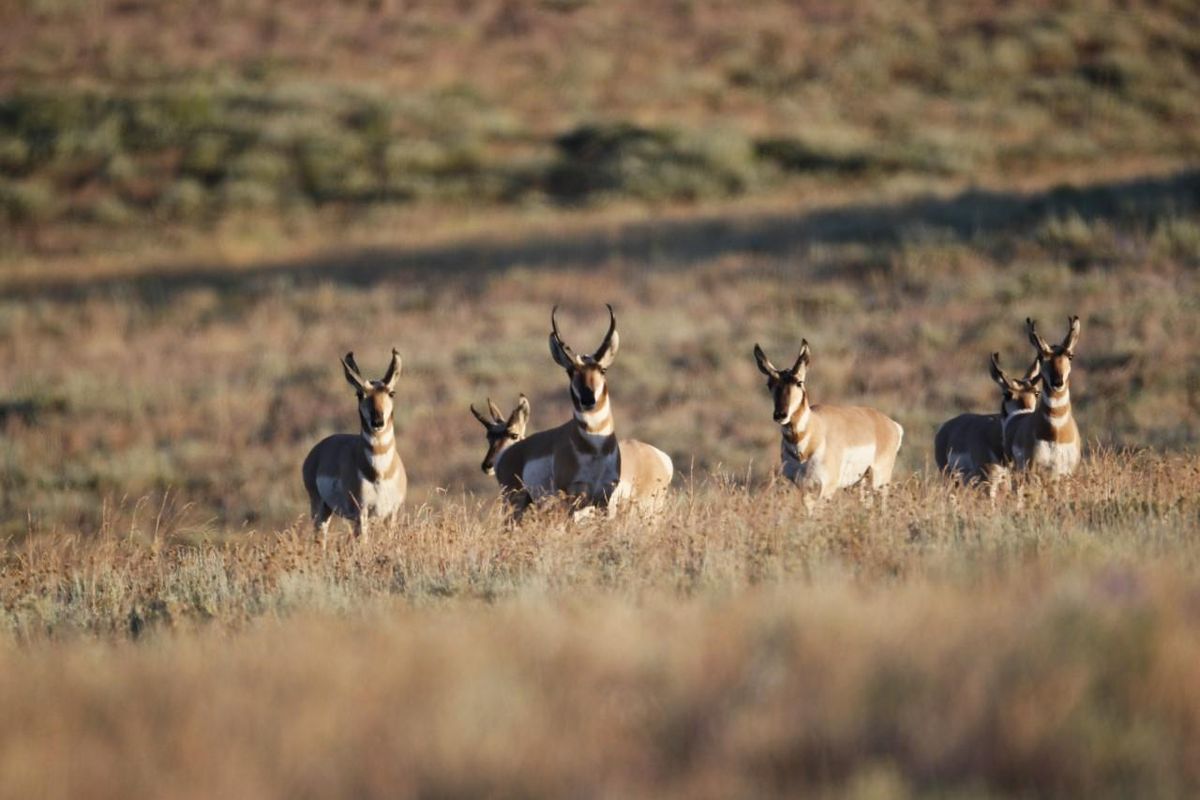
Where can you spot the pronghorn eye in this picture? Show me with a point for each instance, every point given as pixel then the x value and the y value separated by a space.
pixel 391 394
pixel 512 436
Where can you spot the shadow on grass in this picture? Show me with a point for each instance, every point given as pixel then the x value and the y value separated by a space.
pixel 675 244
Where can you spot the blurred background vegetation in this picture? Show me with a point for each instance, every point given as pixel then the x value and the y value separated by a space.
pixel 203 205
pixel 126 115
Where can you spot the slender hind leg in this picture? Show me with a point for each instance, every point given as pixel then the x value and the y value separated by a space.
pixel 321 514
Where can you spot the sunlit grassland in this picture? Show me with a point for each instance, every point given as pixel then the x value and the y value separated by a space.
pixel 212 381
pixel 931 642
pixel 203 206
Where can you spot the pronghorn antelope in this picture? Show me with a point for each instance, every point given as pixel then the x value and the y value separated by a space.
pixel 971 446
pixel 524 467
pixel 358 477
pixel 825 447
pixel 1047 441
pixel 586 460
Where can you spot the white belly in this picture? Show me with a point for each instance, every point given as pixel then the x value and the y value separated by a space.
pixel 855 461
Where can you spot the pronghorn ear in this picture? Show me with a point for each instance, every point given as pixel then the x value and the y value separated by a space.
pixel 612 341
pixel 482 419
pixel 393 372
pixel 495 411
pixel 802 359
pixel 764 364
pixel 1036 340
pixel 352 375
pixel 562 354
pixel 520 416
pixel 1068 344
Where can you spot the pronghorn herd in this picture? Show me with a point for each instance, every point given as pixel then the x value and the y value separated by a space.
pixel 824 447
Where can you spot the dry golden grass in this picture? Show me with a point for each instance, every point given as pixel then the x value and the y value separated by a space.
pixel 719 536
pixel 934 643
pixel 212 380
pixel 202 207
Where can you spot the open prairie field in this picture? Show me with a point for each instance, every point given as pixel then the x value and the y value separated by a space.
pixel 204 206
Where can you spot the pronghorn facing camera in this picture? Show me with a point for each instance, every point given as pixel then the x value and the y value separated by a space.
pixel 589 463
pixel 826 448
pixel 359 476
pixel 971 446
pixel 1047 441
pixel 524 467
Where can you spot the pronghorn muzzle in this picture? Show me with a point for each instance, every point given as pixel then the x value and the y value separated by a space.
pixel 586 397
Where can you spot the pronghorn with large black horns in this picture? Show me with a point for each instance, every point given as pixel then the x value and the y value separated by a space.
pixel 1047 441
pixel 524 467
pixel 359 476
pixel 589 463
pixel 971 446
pixel 824 447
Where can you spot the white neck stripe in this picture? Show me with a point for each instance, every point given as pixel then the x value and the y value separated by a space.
pixel 1063 399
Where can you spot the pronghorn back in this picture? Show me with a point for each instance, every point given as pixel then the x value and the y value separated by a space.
pixel 970 445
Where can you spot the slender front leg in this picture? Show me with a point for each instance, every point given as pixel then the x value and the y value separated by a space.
pixel 361 528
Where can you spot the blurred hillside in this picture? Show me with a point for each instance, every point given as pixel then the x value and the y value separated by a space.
pixel 119 115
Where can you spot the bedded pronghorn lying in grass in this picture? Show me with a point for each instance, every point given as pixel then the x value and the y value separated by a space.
pixel 524 467
pixel 972 446
pixel 1047 441
pixel 824 447
pixel 359 476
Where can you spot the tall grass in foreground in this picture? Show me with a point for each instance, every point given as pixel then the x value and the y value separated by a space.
pixel 931 644
pixel 718 537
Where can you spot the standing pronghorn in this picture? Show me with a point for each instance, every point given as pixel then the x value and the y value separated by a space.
pixel 586 459
pixel 358 477
pixel 971 446
pixel 825 447
pixel 524 468
pixel 1047 440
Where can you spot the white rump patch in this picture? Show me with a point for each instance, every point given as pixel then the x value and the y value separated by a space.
pixel 668 465
pixel 1057 402
pixel 855 461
